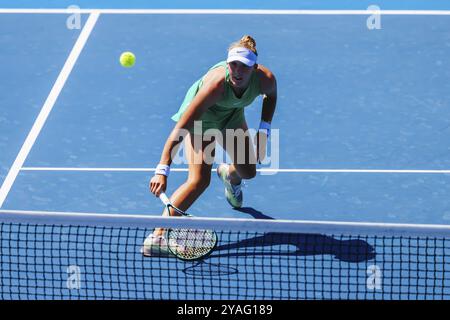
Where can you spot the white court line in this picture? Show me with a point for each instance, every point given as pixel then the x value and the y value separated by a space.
pixel 47 108
pixel 259 170
pixel 227 11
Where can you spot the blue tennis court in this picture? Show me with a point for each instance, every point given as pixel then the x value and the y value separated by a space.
pixel 362 124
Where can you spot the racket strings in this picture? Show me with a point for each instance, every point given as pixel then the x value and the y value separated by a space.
pixel 191 243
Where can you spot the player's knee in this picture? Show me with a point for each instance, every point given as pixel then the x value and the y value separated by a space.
pixel 200 184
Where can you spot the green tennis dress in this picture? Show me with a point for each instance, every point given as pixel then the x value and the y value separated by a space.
pixel 228 112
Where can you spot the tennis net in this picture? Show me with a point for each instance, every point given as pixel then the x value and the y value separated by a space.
pixel 47 255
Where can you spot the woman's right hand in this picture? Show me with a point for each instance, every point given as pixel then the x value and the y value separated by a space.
pixel 158 184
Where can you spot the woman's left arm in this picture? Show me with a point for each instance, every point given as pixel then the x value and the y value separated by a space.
pixel 269 90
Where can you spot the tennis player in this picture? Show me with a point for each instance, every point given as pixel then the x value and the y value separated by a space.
pixel 217 101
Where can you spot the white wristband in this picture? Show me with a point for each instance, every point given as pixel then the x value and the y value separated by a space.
pixel 265 127
pixel 162 169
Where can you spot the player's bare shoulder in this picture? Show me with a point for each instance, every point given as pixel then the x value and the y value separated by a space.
pixel 267 79
pixel 215 79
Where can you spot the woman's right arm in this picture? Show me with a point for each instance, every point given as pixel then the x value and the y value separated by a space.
pixel 210 92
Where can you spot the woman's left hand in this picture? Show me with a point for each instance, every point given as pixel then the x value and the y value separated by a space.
pixel 261 146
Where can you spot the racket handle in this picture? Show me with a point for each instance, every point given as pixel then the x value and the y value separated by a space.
pixel 164 198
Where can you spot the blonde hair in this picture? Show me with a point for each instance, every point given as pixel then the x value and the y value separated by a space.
pixel 246 42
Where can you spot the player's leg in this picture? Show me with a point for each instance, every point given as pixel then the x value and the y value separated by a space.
pixel 199 175
pixel 198 180
pixel 240 149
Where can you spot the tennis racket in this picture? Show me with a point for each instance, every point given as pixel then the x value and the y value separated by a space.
pixel 188 244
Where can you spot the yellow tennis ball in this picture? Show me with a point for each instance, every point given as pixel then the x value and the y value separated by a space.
pixel 127 59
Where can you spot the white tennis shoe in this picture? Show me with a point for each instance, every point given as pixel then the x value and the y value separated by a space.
pixel 233 192
pixel 156 246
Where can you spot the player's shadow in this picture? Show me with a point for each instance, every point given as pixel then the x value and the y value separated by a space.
pixel 253 212
pixel 290 244
pixel 347 250
pixel 284 244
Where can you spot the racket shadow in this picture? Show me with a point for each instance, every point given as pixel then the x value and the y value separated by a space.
pixel 203 269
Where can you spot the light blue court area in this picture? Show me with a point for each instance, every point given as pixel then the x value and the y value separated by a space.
pixel 349 98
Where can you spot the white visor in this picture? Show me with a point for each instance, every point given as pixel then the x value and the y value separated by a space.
pixel 244 55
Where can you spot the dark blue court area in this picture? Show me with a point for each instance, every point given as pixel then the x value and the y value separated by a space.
pixel 362 117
